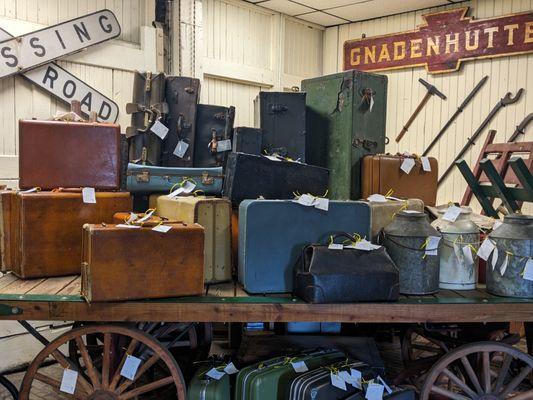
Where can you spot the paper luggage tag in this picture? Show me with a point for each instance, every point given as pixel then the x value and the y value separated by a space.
pixel 504 265
pixel 407 165
pixel 387 387
pixel 494 258
pixel 187 188
pixel 130 367
pixel 374 391
pixel 426 166
pixel 467 252
pixel 146 217
pixel 485 249
pixel 336 246
pixel 299 366
pixel 357 377
pixel 159 129
pixel 528 270
pixel 496 225
pixel 273 158
pixel 432 246
pixel 451 213
pixel 181 149
pixel 215 374
pixel 365 245
pixel 162 228
pixel 223 145
pixel 346 377
pixel 128 226
pixel 322 203
pixel 230 369
pixel 337 381
pixel 377 198
pixel 89 195
pixel 69 380
pixel 306 200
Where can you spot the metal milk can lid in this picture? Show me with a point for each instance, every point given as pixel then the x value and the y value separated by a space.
pixel 411 224
pixel 515 226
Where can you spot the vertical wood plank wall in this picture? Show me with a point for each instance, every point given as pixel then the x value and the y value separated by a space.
pixel 405 92
pixel 247 49
pixel 20 99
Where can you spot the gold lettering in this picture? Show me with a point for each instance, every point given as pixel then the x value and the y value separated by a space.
pixel 490 32
pixel 415 48
pixel 399 55
pixel 433 46
pixel 452 42
pixel 528 33
pixel 511 29
pixel 355 58
pixel 384 53
pixel 370 54
pixel 469 46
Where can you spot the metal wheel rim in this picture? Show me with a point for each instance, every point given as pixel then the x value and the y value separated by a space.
pixel 91 389
pixel 494 390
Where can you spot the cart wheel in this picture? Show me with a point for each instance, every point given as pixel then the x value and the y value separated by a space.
pixel 11 389
pixel 99 374
pixel 417 344
pixel 480 371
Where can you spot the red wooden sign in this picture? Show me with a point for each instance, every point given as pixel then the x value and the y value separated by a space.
pixel 440 44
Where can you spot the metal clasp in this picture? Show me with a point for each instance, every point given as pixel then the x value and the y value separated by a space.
pixel 206 179
pixel 9 310
pixel 143 177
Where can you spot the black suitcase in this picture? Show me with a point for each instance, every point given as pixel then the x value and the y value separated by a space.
pixel 247 140
pixel 281 116
pixel 182 97
pixel 214 131
pixel 249 176
pixel 147 107
pixel 316 384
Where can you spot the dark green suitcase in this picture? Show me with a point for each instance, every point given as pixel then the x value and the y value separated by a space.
pixel 203 387
pixel 342 127
pixel 270 380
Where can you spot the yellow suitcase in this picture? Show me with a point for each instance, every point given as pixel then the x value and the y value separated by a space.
pixel 214 215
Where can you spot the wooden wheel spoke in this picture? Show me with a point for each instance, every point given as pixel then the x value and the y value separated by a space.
pixel 426 348
pixel 523 396
pixel 471 374
pixel 486 372
pixel 144 367
pixel 91 371
pixel 515 382
pixel 147 388
pixel 55 384
pixel 455 379
pixel 448 394
pixel 129 351
pixel 504 370
pixel 106 358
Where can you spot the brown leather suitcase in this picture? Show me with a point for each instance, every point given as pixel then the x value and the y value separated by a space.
pixel 381 173
pixel 47 227
pixel 69 154
pixel 6 197
pixel 127 264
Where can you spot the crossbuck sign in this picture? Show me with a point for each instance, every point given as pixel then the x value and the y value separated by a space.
pixel 31 55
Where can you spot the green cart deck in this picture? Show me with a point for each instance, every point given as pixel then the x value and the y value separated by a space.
pixel 60 299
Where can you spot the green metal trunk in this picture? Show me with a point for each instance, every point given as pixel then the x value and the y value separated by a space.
pixel 346 116
pixel 203 387
pixel 271 379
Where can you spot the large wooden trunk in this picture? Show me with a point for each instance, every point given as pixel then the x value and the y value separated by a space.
pixel 46 229
pixel 214 215
pixel 69 154
pixel 126 263
pixel 6 198
pixel 346 114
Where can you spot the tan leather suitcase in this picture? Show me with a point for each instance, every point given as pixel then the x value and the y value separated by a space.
pixel 382 214
pixel 47 226
pixel 127 264
pixel 69 154
pixel 6 197
pixel 381 173
pixel 214 215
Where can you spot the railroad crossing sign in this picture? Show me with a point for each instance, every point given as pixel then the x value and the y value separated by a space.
pixel 31 54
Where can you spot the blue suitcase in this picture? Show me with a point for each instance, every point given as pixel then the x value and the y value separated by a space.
pixel 272 234
pixel 150 179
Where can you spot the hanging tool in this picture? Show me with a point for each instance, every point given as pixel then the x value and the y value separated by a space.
pixel 456 114
pixel 506 100
pixel 431 91
pixel 521 128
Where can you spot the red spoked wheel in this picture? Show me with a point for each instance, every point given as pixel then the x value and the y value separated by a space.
pixel 100 365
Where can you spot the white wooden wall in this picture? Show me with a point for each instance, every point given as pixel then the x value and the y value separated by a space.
pixel 107 67
pixel 404 93
pixel 246 49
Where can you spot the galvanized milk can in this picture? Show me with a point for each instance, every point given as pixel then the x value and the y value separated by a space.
pixel 514 243
pixel 405 240
pixel 458 261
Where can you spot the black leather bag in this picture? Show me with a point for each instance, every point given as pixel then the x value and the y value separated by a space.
pixel 324 275
pixel 214 135
pixel 181 94
pixel 147 107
